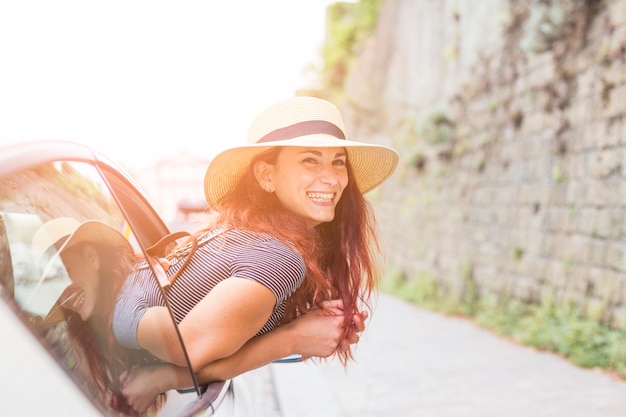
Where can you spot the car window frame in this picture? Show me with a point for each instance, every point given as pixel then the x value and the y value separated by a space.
pixel 147 226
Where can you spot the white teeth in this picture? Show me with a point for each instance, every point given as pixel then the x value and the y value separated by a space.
pixel 321 197
pixel 78 300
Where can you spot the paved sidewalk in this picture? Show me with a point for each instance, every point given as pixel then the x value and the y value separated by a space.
pixel 413 362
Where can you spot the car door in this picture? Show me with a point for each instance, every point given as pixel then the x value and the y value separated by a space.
pixel 41 181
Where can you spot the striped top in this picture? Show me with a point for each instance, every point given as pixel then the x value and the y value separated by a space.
pixel 234 253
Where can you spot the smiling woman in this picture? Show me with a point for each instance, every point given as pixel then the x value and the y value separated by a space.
pixel 296 240
pixel 282 271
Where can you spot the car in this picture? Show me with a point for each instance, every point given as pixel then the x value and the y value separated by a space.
pixel 40 181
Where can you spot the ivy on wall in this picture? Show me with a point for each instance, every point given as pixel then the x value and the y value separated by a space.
pixel 348 26
pixel 471 141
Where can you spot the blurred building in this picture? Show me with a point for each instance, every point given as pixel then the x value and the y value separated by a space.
pixel 175 186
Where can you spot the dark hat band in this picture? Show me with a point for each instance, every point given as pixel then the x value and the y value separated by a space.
pixel 310 127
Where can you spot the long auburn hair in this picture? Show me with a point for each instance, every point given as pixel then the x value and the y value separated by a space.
pixel 99 355
pixel 341 256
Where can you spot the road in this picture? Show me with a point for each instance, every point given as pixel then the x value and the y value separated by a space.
pixel 413 362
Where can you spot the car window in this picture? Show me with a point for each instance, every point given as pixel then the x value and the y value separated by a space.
pixel 33 278
pixel 32 197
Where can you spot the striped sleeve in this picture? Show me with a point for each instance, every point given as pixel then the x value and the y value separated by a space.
pixel 137 295
pixel 273 264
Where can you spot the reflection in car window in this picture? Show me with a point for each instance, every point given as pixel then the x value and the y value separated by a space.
pixel 30 198
pixel 33 278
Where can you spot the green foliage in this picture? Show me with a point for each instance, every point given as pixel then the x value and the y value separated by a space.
pixel 349 24
pixel 557 174
pixel 560 328
pixel 420 289
pixel 549 22
pixel 551 326
pixel 436 126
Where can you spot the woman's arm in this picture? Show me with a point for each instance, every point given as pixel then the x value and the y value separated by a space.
pixel 315 333
pixel 217 327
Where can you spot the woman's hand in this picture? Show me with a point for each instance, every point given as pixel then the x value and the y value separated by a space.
pixel 320 332
pixel 357 325
pixel 141 386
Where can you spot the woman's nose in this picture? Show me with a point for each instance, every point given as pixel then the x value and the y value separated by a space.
pixel 328 175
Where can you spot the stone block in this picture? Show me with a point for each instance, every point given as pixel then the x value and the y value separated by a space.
pixel 597 252
pixel 616 256
pixel 618 318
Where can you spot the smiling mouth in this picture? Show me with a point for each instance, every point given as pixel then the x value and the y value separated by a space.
pixel 321 197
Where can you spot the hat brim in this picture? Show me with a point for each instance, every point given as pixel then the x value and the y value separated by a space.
pixel 96 231
pixel 371 163
pixel 50 234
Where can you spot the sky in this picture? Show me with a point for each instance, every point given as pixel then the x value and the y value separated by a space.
pixel 142 80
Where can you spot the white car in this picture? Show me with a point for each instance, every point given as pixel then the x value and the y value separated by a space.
pixel 40 181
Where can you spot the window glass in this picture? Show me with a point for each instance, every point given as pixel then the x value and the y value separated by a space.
pixel 30 198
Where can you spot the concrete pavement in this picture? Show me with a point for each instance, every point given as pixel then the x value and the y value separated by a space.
pixel 413 362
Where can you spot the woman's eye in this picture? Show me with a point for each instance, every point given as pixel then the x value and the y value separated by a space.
pixel 339 162
pixel 309 161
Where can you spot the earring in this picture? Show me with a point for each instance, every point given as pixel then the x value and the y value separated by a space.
pixel 267 188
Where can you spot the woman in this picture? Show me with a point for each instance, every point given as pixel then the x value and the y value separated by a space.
pixel 297 234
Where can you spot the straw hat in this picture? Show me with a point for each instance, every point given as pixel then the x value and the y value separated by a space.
pixel 298 121
pixel 65 232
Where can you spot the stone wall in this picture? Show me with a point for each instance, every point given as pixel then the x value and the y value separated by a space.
pixel 509 118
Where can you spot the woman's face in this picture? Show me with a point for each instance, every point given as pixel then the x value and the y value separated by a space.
pixel 309 181
pixel 82 265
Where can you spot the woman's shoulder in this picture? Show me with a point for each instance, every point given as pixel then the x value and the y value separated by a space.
pixel 267 259
pixel 262 241
pixel 251 236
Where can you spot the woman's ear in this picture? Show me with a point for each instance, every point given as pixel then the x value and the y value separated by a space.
pixel 264 174
pixel 90 255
